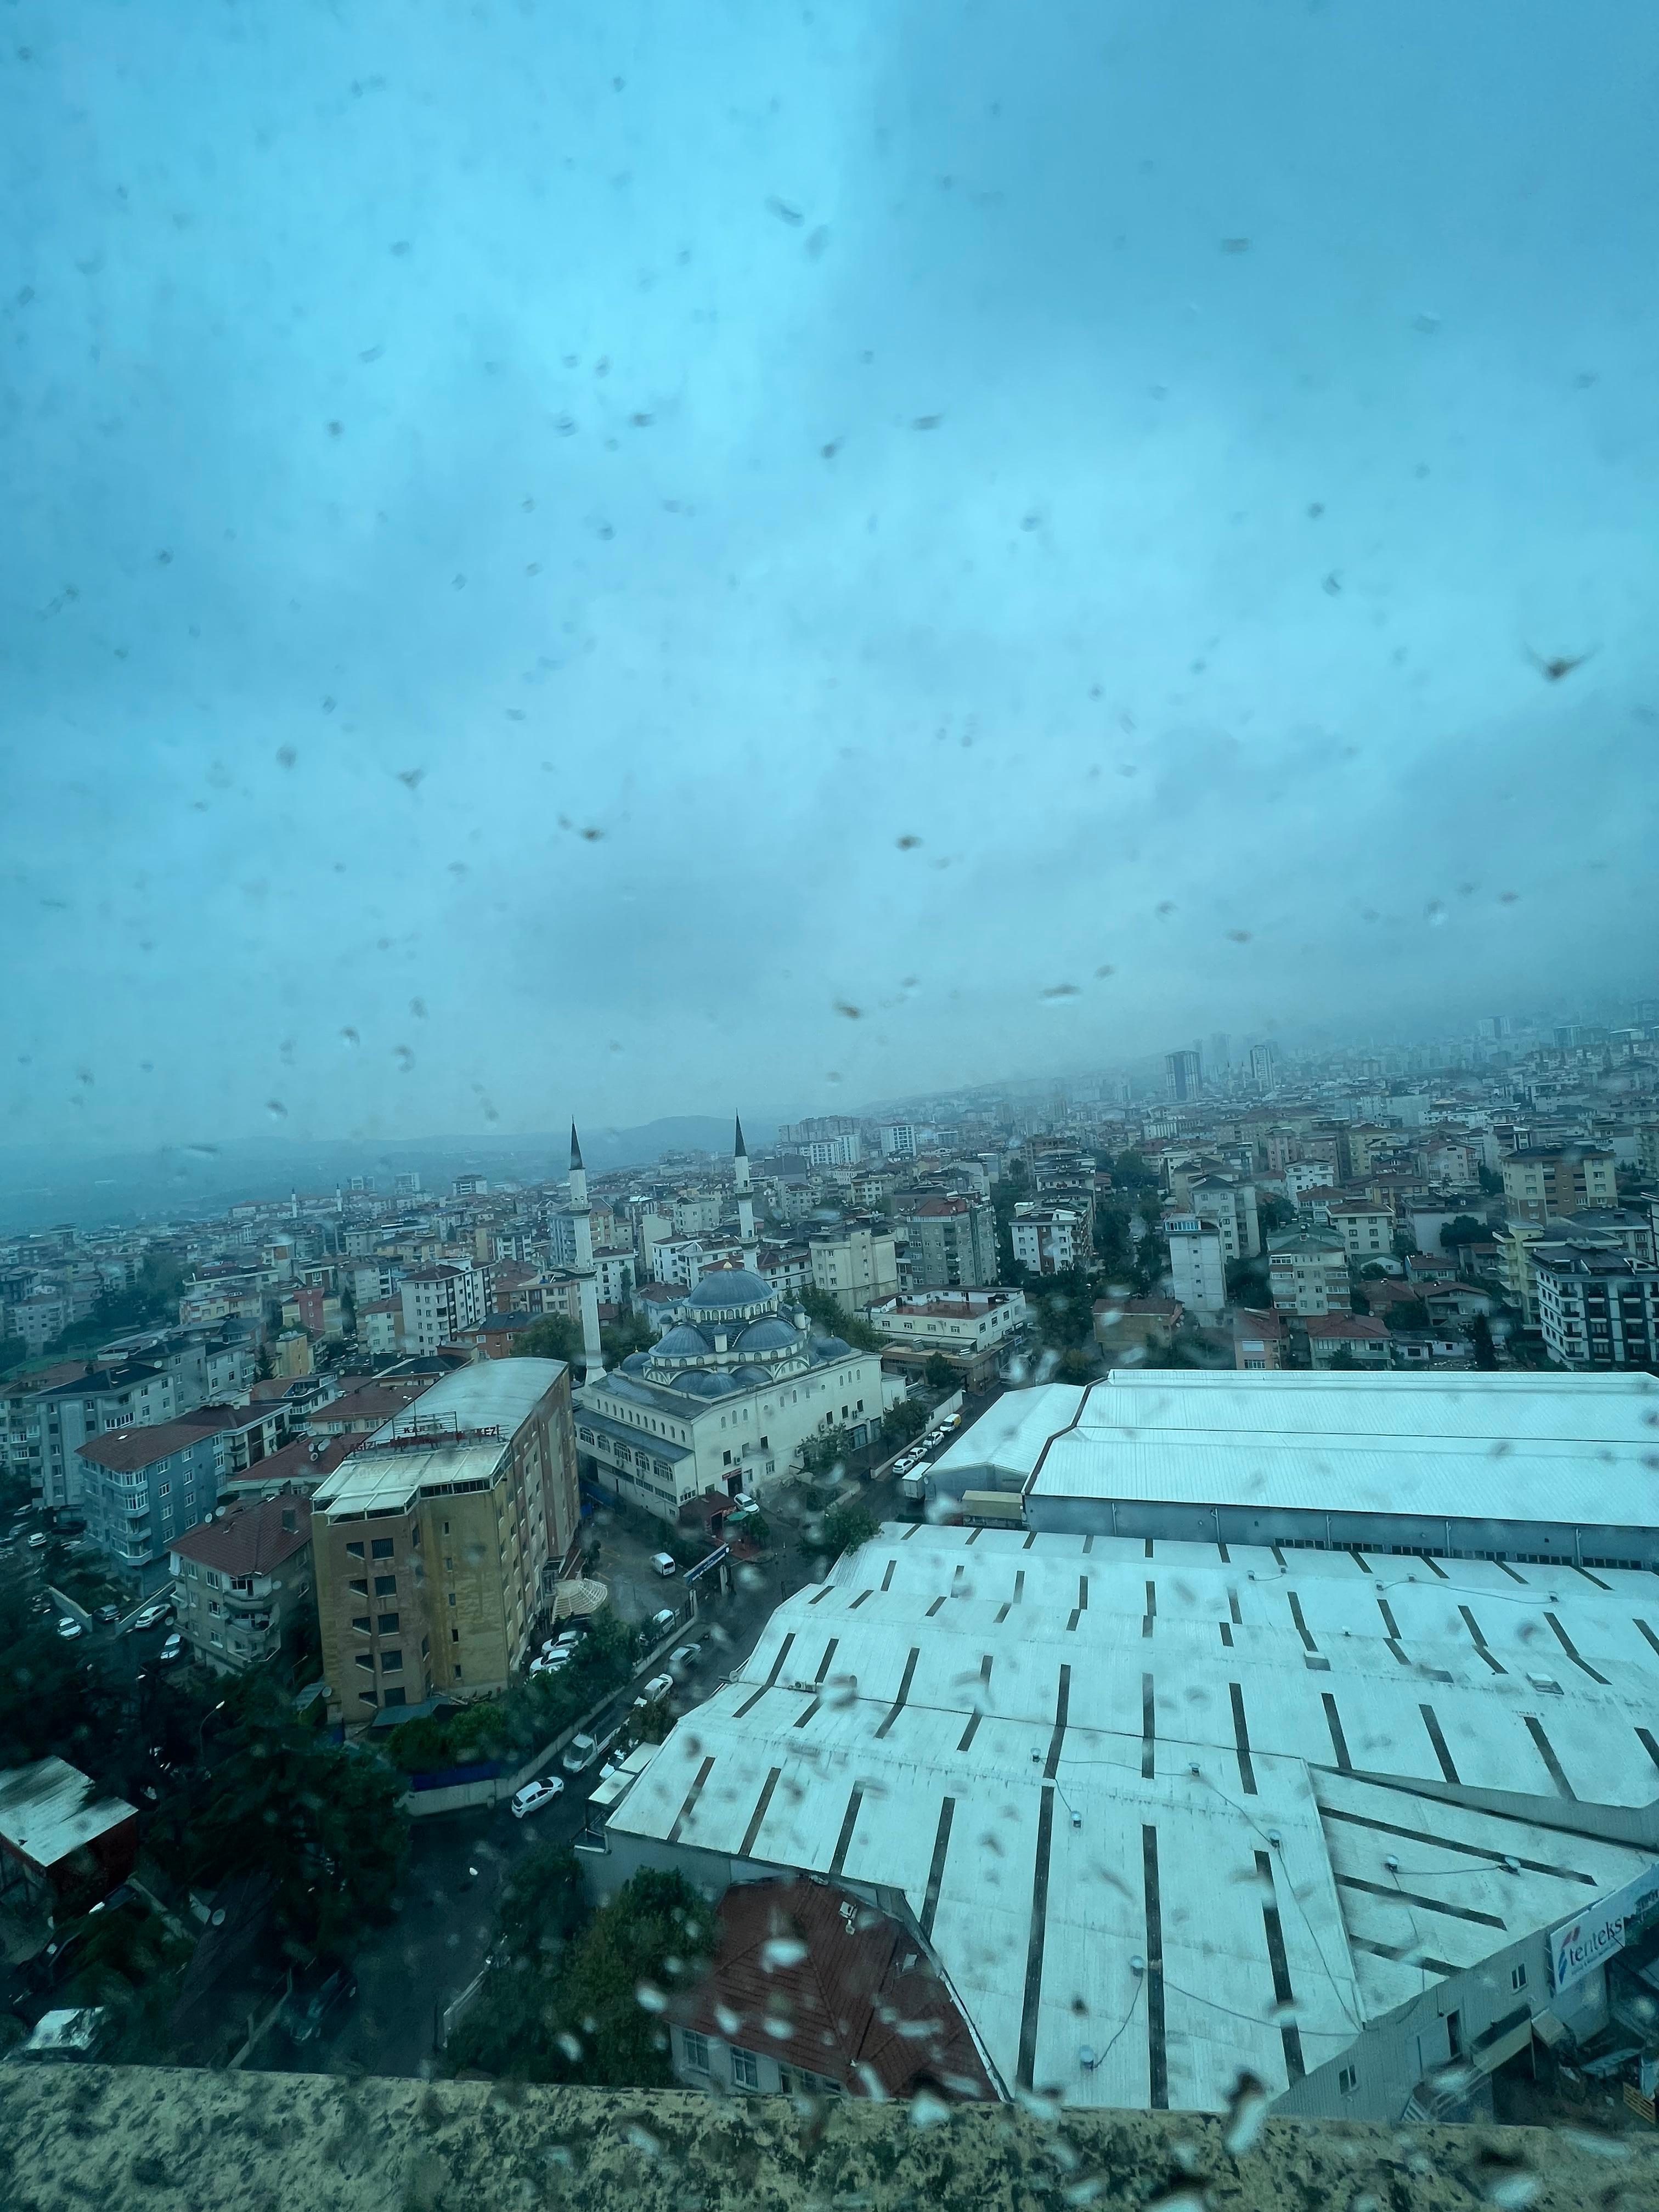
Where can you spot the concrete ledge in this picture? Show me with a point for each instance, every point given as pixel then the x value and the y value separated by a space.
pixel 74 2135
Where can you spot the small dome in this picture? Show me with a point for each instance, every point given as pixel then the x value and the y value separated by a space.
pixel 773 1333
pixel 698 1382
pixel 748 1378
pixel 682 1342
pixel 829 1348
pixel 636 1363
pixel 728 1287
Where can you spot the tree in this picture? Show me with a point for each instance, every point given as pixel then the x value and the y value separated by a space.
pixel 902 1422
pixel 1465 1230
pixel 938 1374
pixel 843 1529
pixel 543 1904
pixel 1491 1183
pixel 594 2016
pixel 552 1337
pixel 833 1319
pixel 321 1819
pixel 1486 1352
pixel 629 1332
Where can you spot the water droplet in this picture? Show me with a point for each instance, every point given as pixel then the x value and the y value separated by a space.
pixel 650 1998
pixel 782 1951
pixel 926 2111
pixel 1247 2108
pixel 275 1109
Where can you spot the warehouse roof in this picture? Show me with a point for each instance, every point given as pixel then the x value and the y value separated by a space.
pixel 1068 1752
pixel 1544 1448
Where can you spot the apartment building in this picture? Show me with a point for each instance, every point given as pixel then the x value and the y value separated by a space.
pixel 140 1488
pixel 133 1394
pixel 244 1582
pixel 856 1263
pixel 951 1243
pixel 1558 1179
pixel 1197 1263
pixel 1047 1239
pixel 1307 1273
pixel 1366 1229
pixel 1232 1206
pixel 966 1322
pixel 438 1301
pixel 1596 1307
pixel 429 1540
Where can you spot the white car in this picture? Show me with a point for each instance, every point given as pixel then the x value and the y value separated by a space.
pixel 550 1662
pixel 742 1502
pixel 150 1616
pixel 38 1543
pixel 658 1686
pixel 683 1656
pixel 172 1650
pixel 663 1562
pixel 66 1627
pixel 535 1794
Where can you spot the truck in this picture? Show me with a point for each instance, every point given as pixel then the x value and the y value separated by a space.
pixel 916 1487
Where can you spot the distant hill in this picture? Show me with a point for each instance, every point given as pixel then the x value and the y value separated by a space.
pixel 40 1185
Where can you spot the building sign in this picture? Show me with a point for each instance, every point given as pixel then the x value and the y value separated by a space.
pixel 1579 1946
pixel 703 1567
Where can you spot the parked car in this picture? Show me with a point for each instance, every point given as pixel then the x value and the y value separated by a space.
pixel 172 1650
pixel 742 1502
pixel 580 1752
pixel 658 1686
pixel 683 1656
pixel 68 1628
pixel 318 1993
pixel 153 1615
pixel 660 1624
pixel 41 1604
pixel 38 1540
pixel 549 1662
pixel 664 1562
pixel 107 1614
pixel 535 1794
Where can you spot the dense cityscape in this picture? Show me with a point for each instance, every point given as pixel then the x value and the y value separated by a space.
pixel 387 1572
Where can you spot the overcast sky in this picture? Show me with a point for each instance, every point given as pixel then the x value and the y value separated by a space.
pixel 550 549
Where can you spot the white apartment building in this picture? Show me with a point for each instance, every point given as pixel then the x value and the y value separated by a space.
pixel 1047 1239
pixel 1307 1273
pixel 615 1270
pixel 854 1263
pixel 899 1141
pixel 1366 1230
pixel 440 1301
pixel 963 1322
pixel 1197 1262
pixel 1302 1175
pixel 1232 1206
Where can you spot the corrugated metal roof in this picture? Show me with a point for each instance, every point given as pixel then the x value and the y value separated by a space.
pixel 477 1396
pixel 903 1730
pixel 1544 1448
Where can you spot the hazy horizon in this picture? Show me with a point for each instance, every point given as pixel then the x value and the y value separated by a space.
pixel 619 565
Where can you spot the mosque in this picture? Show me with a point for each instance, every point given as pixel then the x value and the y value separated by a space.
pixel 726 1397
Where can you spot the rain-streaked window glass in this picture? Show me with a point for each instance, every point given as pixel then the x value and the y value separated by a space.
pixel 829 1148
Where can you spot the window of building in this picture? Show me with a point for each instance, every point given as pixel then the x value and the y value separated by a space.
pixel 387 1624
pixel 745 2074
pixel 1517 1978
pixel 353 1550
pixel 360 1621
pixel 366 1661
pixel 697 2049
pixel 1347 2080
pixel 386 1586
pixel 381 1547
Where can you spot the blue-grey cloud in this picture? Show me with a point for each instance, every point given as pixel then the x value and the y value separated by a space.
pixel 549 549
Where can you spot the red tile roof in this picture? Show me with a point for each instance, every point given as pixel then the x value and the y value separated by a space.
pixel 1350 1326
pixel 861 2001
pixel 250 1540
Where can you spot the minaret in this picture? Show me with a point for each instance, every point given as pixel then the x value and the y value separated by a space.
pixel 745 1204
pixel 592 1357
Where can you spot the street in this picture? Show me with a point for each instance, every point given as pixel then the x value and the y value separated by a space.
pixel 460 1862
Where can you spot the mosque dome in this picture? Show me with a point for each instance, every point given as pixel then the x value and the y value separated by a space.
pixel 771 1334
pixel 732 1290
pixel 682 1342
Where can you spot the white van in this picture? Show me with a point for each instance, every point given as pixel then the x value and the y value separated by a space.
pixel 663 1563
pixel 580 1752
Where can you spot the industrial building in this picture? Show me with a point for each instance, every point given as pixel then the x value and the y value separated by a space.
pixel 1161 1814
pixel 1547 1466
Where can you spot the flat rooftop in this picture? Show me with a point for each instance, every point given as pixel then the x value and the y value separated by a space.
pixel 1016 1731
pixel 372 1482
pixel 483 1394
pixel 1541 1448
pixel 48 1811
